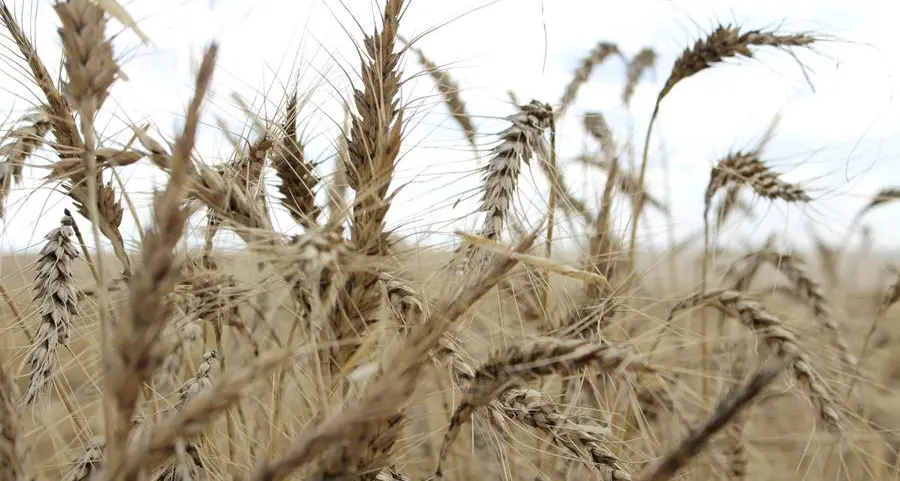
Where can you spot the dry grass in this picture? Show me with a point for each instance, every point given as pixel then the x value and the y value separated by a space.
pixel 341 352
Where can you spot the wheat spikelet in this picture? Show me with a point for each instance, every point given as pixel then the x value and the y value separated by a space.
pixel 593 59
pixel 88 461
pixel 449 90
pixel 602 246
pixel 106 157
pixel 298 177
pixel 314 264
pixel 366 455
pixel 337 189
pixel 781 340
pixel 639 64
pixel 241 179
pixel 754 262
pixel 890 297
pixel 407 305
pixel 525 363
pixel 735 450
pixel 54 291
pixel 729 407
pixel 828 257
pixel 588 318
pixel 24 140
pixel 569 202
pixel 532 407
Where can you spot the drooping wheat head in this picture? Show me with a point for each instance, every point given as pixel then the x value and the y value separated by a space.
pixel 778 337
pixel 592 60
pixel 639 64
pixel 18 145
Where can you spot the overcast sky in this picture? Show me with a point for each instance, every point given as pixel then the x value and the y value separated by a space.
pixel 838 135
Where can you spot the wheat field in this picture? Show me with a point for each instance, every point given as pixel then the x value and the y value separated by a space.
pixel 343 350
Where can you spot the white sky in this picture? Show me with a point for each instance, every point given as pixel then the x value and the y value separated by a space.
pixel 838 139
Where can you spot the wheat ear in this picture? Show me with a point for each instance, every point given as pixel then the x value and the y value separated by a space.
pixel 592 60
pixel 373 146
pixel 298 176
pixel 883 196
pixel 525 363
pixel 55 292
pixel 639 64
pixel 532 407
pixel 449 90
pixel 138 351
pixel 809 290
pixel 725 41
pixel 23 142
pixel 781 340
pixel 88 461
pixel 188 464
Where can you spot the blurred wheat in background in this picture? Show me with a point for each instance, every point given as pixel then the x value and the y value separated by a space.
pixel 264 314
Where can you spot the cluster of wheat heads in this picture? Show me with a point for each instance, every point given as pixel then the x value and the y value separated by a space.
pixel 331 357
